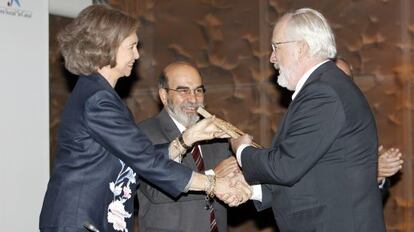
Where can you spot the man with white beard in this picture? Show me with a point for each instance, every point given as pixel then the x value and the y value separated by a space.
pixel 320 173
pixel 181 91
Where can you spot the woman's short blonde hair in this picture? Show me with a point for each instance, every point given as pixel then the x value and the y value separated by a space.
pixel 92 40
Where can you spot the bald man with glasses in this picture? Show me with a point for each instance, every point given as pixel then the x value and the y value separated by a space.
pixel 181 91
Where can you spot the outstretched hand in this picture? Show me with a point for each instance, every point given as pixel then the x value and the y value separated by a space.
pixel 244 139
pixel 227 167
pixel 203 130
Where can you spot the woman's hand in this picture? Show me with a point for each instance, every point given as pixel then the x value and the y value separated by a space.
pixel 203 130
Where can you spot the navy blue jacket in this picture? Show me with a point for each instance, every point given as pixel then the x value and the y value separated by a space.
pixel 321 169
pixel 101 153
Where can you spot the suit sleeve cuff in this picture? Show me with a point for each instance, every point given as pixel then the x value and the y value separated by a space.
pixel 381 184
pixel 187 187
pixel 210 172
pixel 256 192
pixel 239 151
pixel 178 159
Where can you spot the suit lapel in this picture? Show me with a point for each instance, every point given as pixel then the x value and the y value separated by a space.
pixel 313 77
pixel 168 127
pixel 280 129
pixel 105 84
pixel 207 151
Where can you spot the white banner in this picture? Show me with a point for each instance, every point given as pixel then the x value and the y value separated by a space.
pixel 24 120
pixel 68 8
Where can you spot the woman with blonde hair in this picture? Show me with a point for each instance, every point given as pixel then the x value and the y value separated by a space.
pixel 100 151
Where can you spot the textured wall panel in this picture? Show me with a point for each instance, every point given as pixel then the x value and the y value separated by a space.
pixel 229 41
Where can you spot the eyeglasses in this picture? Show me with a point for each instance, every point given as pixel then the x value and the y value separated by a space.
pixel 275 45
pixel 185 91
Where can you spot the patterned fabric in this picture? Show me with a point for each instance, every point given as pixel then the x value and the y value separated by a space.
pixel 122 192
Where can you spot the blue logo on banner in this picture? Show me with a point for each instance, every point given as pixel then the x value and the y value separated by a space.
pixel 11 2
pixel 13 8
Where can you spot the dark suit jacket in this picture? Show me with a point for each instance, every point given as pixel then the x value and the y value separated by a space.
pixel 322 166
pixel 100 153
pixel 160 212
pixel 385 190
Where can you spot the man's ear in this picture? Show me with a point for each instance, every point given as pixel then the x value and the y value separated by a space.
pixel 163 96
pixel 303 49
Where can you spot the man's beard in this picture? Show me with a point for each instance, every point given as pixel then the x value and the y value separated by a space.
pixel 179 114
pixel 285 74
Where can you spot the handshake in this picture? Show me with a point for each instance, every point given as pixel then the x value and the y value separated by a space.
pixel 230 185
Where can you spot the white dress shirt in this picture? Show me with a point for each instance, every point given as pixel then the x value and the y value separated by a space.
pixel 182 128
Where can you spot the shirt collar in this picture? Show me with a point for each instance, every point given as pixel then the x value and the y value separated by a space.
pixel 305 77
pixel 180 126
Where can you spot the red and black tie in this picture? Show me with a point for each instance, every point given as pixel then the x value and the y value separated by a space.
pixel 198 159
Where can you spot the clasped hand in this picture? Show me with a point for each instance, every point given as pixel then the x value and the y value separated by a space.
pixel 231 187
pixel 389 162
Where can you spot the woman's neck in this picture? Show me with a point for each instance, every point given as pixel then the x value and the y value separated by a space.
pixel 109 75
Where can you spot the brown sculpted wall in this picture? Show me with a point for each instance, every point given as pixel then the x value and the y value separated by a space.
pixel 229 41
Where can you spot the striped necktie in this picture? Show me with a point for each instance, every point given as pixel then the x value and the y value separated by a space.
pixel 198 159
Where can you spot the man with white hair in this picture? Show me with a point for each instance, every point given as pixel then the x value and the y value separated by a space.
pixel 320 172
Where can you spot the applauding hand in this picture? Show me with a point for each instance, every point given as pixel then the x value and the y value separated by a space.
pixel 389 162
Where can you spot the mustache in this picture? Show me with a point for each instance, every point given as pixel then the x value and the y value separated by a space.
pixel 192 105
